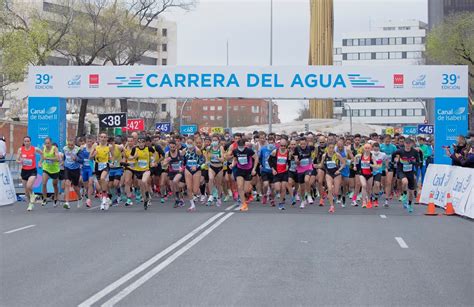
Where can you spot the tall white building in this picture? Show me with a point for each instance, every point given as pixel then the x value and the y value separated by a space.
pixel 163 37
pixel 387 43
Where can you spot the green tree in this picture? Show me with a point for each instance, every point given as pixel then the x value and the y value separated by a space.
pixel 452 43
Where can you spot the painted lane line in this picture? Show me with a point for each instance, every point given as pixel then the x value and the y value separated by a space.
pixel 383 216
pixel 133 286
pixel 230 208
pixel 113 286
pixel 18 229
pixel 93 208
pixel 238 208
pixel 401 242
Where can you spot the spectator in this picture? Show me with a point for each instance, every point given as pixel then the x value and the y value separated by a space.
pixel 463 154
pixel 3 149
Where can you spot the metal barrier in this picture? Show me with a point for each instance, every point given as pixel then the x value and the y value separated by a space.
pixel 15 170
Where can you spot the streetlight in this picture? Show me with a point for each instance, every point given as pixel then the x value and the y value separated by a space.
pixel 227 99
pixel 181 113
pixel 350 114
pixel 270 106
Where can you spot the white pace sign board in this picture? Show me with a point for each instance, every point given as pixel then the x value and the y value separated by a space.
pixel 291 82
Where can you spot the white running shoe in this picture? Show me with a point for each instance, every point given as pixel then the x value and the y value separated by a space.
pixel 310 199
pixel 30 206
pixel 302 205
pixel 102 206
pixel 297 197
pixel 32 198
pixel 218 202
pixel 107 203
pixel 192 207
pixel 203 198
pixel 210 199
pixel 66 205
pixel 338 202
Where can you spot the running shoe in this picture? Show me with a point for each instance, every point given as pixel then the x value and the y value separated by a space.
pixel 250 198
pixel 244 207
pixel 310 200
pixel 66 205
pixel 235 195
pixel 138 198
pixel 359 197
pixel 257 198
pixel 364 205
pixel 404 198
pixel 55 203
pixel 264 200
pixel 32 198
pixel 218 202
pixel 386 204
pixel 180 203
pixel 281 206
pixel 343 205
pixel 302 205
pixel 80 202
pixel 162 200
pixel 272 202
pixel 354 203
pixel 176 204
pixel 351 194
pixel 321 202
pixel 226 198
pixel 129 202
pixel 369 205
pixel 376 203
pixel 145 204
pixel 107 203
pixel 210 200
pixel 202 198
pixel 293 200
pixel 297 197
pixel 88 203
pixel 30 206
pixel 338 202
pixel 102 206
pixel 44 202
pixel 410 208
pixel 331 209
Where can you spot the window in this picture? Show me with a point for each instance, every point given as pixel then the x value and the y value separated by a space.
pixel 164 47
pixel 212 108
pixel 362 42
pixel 381 55
pixel 163 107
pixel 361 113
pixel 368 41
pixel 256 119
pixel 236 108
pixel 384 41
pixel 204 108
pixel 399 112
pixel 395 55
pixel 384 112
pixel 255 109
pixel 403 28
pixel 398 41
pixel 366 56
pixel 204 117
pixel 164 32
pixel 219 117
pixel 349 42
pixel 352 56
pixel 164 61
pixel 344 56
pixel 392 41
pixel 388 28
pixel 378 112
pixel 418 40
pixel 418 112
pixel 391 112
pixel 355 112
pixel 212 117
pixel 409 112
pixel 378 41
pixel 219 108
pixel 410 40
pixel 145 60
pixel 355 42
pixel 413 55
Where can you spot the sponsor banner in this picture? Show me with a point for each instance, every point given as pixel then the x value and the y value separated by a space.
pixel 188 129
pixel 46 118
pixel 249 81
pixel 7 188
pixel 163 127
pixel 442 179
pixel 451 120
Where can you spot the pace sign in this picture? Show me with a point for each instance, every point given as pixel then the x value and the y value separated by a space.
pixel 112 120
pixel 425 129
pixel 163 127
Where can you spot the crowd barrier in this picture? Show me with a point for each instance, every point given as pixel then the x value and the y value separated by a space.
pixel 459 181
pixel 7 187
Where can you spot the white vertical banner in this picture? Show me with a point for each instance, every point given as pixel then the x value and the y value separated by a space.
pixel 7 189
pixel 443 179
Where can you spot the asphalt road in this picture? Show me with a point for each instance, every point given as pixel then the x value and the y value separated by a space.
pixel 218 257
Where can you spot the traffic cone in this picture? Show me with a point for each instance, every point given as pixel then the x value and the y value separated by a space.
pixel 431 210
pixel 73 195
pixel 449 206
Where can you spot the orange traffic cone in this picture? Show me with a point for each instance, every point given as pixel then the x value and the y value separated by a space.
pixel 431 210
pixel 449 206
pixel 73 195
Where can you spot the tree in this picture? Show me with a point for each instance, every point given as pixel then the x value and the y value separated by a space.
pixel 452 43
pixel 303 112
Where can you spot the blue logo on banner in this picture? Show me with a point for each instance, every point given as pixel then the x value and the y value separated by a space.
pixel 359 81
pixel 425 129
pixel 188 129
pixel 450 122
pixel 410 130
pixel 135 81
pixel 163 127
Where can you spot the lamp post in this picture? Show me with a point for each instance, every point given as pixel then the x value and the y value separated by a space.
pixel 270 106
pixel 181 113
pixel 227 99
pixel 350 114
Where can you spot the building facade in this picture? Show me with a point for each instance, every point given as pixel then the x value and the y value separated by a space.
pixel 212 112
pixel 387 43
pixel 439 9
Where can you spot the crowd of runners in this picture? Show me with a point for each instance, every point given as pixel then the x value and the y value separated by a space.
pixel 278 170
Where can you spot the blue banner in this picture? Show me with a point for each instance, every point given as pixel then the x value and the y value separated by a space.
pixel 410 130
pixel 451 120
pixel 188 129
pixel 163 127
pixel 425 129
pixel 46 118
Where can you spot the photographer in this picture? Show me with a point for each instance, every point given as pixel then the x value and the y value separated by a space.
pixel 463 154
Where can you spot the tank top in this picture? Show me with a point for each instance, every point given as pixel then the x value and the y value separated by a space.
pixel 28 158
pixel 175 164
pixel 102 156
pixel 331 163
pixel 143 159
pixel 85 154
pixel 191 159
pixel 282 162
pixel 131 162
pixel 116 157
pixel 215 155
pixel 49 166
pixel 365 166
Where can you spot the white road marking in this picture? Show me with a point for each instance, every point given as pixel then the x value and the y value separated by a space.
pixel 383 216
pixel 401 242
pixel 230 208
pixel 93 208
pixel 18 229
pixel 238 208
pixel 113 286
pixel 122 294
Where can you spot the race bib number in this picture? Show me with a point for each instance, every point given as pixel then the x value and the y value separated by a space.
pixel 116 164
pixel 292 166
pixel 215 158
pixel 191 163
pixel 131 164
pixel 266 164
pixel 407 168
pixel 243 160
pixel 331 164
pixel 281 160
pixel 27 162
pixel 365 165
pixel 304 162
pixel 142 163
pixel 101 166
pixel 48 161
pixel 87 162
pixel 176 166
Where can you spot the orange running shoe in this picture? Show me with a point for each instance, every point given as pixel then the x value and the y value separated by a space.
pixel 250 198
pixel 364 204
pixel 244 207
pixel 369 205
pixel 321 202
pixel 376 203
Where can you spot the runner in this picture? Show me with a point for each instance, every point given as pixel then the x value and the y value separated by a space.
pixel 129 162
pixel 72 172
pixel 346 155
pixel 192 173
pixel 381 162
pixel 215 159
pixel 292 174
pixel 102 155
pixel 387 179
pixel 27 160
pixel 320 172
pixel 174 162
pixel 407 158
pixel 266 173
pixel 142 154
pixel 115 170
pixel 333 164
pixel 279 162
pixel 304 169
pixel 50 164
pixel 87 168
pixel 245 162
pixel 364 167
